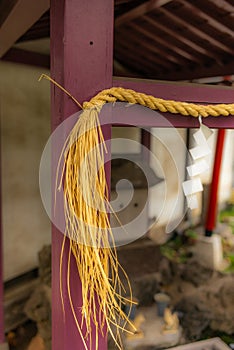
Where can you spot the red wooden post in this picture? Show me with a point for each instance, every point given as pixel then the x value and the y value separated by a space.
pixel 81 60
pixel 212 208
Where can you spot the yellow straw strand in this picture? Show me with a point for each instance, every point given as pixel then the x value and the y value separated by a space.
pixel 45 76
pixel 88 227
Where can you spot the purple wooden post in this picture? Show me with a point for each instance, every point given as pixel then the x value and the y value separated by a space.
pixel 81 60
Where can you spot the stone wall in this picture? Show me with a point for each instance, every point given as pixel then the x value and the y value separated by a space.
pixel 25 128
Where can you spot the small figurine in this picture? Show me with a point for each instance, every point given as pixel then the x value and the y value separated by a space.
pixel 171 322
pixel 136 333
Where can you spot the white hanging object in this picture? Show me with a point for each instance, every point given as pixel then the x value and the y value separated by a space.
pixel 200 152
pixel 197 168
pixel 199 137
pixel 193 186
pixel 192 201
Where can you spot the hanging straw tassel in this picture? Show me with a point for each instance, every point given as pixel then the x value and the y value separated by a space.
pixel 88 228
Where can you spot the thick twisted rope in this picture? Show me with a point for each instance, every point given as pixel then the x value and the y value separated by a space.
pixel 176 107
pixel 115 94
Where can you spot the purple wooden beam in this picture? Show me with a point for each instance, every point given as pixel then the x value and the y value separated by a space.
pixel 27 57
pixel 81 60
pixel 178 91
pixel 196 93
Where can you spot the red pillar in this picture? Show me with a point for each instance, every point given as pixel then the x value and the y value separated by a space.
pixel 81 61
pixel 212 208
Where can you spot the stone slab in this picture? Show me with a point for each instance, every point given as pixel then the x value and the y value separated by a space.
pixel 209 344
pixel 152 334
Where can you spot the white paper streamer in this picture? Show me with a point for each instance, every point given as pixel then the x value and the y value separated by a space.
pixel 192 201
pixel 199 137
pixel 193 186
pixel 197 168
pixel 200 151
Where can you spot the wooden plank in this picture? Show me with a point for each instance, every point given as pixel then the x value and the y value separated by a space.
pixel 177 37
pixel 194 29
pixel 121 2
pixel 212 70
pixel 40 30
pixel 27 57
pixel 217 25
pixel 146 55
pixel 172 52
pixel 21 17
pixel 204 344
pixel 121 70
pixel 5 8
pixel 221 10
pixel 81 60
pixel 224 5
pixel 15 298
pixel 140 11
